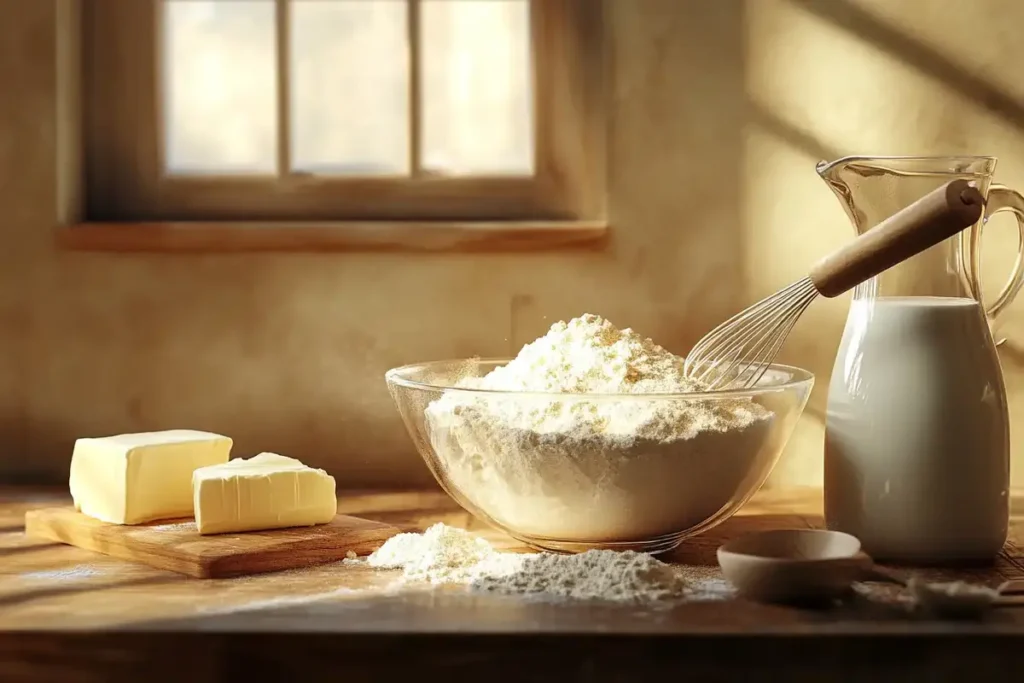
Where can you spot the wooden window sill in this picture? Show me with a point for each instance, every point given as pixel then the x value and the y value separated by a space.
pixel 434 236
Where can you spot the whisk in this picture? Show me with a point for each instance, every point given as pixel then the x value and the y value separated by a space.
pixel 739 351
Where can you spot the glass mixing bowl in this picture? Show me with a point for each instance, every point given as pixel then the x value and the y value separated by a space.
pixel 618 471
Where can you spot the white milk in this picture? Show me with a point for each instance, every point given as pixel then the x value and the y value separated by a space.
pixel 917 436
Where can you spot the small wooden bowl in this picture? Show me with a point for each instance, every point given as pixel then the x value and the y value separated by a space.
pixel 793 565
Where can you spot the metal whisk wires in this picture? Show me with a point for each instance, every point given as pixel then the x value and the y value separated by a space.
pixel 737 353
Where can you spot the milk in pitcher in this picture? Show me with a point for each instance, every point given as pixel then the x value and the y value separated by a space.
pixel 917 436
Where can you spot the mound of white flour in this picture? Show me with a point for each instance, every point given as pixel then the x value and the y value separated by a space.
pixel 580 467
pixel 442 554
pixel 446 555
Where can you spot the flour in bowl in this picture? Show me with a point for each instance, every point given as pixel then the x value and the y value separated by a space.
pixel 574 466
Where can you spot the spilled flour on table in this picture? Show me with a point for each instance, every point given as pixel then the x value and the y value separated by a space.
pixel 77 572
pixel 447 555
pixel 284 601
pixel 177 526
pixel 709 589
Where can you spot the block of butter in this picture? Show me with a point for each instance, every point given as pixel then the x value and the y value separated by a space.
pixel 137 478
pixel 267 491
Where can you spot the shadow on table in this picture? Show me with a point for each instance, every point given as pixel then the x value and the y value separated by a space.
pixel 23 596
pixel 509 637
pixel 19 549
pixel 701 550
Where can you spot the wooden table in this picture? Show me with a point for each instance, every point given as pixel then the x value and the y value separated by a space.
pixel 70 615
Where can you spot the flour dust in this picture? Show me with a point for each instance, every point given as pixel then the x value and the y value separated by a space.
pixel 447 555
pixel 73 573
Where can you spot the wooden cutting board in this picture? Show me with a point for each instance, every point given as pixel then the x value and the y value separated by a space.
pixel 177 546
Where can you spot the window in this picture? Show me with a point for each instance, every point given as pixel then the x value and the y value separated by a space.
pixel 352 123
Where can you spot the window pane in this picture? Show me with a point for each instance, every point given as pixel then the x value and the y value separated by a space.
pixel 350 86
pixel 220 86
pixel 477 100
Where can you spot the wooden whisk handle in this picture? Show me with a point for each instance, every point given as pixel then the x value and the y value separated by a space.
pixel 937 216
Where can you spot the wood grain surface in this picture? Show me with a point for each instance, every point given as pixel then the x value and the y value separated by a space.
pixel 72 615
pixel 176 545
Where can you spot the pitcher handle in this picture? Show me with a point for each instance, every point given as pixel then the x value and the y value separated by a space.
pixel 1000 198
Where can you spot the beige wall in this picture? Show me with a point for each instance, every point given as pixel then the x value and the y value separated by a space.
pixel 720 108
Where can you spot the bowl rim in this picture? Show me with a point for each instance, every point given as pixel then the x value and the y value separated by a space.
pixel 731 547
pixel 396 376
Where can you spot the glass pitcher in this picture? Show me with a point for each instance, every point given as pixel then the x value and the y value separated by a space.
pixel 917 430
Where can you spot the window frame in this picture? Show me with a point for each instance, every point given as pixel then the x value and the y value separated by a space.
pixel 117 198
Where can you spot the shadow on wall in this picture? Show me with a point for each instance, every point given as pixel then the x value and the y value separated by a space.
pixel 819 354
pixel 846 15
pixel 941 95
